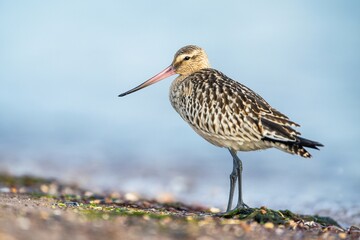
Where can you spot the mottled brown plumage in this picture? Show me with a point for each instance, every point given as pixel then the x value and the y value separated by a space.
pixel 226 113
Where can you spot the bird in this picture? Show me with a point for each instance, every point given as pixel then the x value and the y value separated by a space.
pixel 226 113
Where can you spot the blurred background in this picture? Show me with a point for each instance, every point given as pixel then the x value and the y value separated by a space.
pixel 63 63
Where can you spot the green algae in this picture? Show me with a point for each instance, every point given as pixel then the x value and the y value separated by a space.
pixel 98 212
pixel 26 180
pixel 93 211
pixel 263 215
pixel 38 195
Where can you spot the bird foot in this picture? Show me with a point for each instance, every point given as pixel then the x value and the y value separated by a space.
pixel 230 213
pixel 241 205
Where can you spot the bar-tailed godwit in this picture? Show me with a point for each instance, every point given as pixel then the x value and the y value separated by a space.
pixel 226 113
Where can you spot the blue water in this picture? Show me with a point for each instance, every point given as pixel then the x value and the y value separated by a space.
pixel 62 66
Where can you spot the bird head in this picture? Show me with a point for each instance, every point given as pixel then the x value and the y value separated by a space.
pixel 187 60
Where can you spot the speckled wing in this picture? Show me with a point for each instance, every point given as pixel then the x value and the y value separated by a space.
pixel 217 105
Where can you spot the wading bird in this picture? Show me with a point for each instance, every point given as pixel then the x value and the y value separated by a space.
pixel 226 113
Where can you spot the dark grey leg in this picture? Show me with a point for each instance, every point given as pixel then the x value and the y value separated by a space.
pixel 238 165
pixel 233 177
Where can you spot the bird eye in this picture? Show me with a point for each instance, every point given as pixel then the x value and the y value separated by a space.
pixel 186 58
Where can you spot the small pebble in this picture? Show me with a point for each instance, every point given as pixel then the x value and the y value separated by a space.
pixel 23 223
pixel 88 194
pixel 310 223
pixel 53 189
pixel 44 188
pixel 96 201
pixel 5 190
pixel 97 208
pixel 292 224
pixel 246 227
pixel 233 221
pixel 131 197
pixel 72 204
pixel 57 212
pixel 214 210
pixel 44 215
pixel 115 195
pixel 165 198
pixel 342 235
pixel 279 231
pixel 269 225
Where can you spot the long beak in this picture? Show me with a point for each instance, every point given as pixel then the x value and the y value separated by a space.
pixel 167 72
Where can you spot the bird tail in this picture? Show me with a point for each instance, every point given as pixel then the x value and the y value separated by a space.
pixel 297 147
pixel 309 143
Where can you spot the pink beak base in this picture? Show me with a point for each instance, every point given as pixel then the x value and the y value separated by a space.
pixel 167 72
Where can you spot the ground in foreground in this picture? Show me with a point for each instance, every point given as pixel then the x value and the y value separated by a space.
pixel 33 208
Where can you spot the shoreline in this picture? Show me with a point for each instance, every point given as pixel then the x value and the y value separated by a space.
pixel 28 204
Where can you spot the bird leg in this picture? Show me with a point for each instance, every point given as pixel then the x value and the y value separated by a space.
pixel 233 177
pixel 237 166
